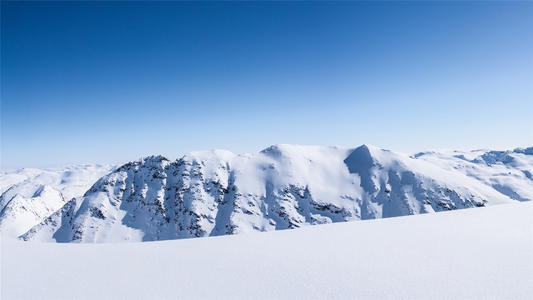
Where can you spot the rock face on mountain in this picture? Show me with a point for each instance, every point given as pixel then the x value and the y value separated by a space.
pixel 28 196
pixel 284 186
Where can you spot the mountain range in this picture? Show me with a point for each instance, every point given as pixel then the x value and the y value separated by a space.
pixel 211 193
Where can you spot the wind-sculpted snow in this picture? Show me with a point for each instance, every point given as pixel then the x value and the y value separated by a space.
pixel 29 196
pixel 282 187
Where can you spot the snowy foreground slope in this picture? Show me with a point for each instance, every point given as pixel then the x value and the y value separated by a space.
pixel 214 193
pixel 479 253
pixel 28 196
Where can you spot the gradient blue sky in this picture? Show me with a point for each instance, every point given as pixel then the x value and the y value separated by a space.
pixel 113 81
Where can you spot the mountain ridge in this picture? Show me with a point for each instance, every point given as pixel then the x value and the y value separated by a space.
pixel 207 193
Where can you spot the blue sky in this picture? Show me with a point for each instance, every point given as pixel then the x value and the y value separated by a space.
pixel 113 81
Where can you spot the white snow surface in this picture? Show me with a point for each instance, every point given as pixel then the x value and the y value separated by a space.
pixel 479 253
pixel 28 196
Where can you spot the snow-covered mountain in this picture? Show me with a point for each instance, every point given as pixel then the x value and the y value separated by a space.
pixel 284 186
pixel 28 196
pixel 505 171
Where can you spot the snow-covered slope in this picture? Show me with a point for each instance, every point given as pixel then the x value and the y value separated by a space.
pixel 284 186
pixel 28 196
pixel 482 253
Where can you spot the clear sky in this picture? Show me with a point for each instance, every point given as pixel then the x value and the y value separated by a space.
pixel 113 81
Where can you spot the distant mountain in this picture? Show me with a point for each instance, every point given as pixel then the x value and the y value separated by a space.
pixel 282 187
pixel 28 196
